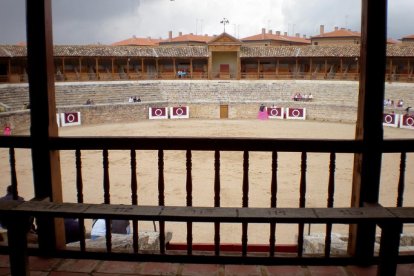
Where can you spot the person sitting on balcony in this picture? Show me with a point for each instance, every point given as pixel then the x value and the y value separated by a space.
pixel 9 196
pixel 72 230
pixel 117 226
pixel 310 97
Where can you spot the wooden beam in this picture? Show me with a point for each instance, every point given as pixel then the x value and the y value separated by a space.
pixel 46 162
pixel 369 129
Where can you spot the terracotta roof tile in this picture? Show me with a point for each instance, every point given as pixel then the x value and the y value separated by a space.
pixel 408 37
pixel 188 38
pixel 338 33
pixel 393 50
pixel 267 36
pixel 137 41
pixel 186 51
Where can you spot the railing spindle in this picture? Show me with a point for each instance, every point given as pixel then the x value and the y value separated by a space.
pixel 273 203
pixel 12 160
pixel 134 198
pixel 302 201
pixel 189 189
pixel 107 195
pixel 217 200
pixel 79 188
pixel 161 197
pixel 331 192
pixel 107 199
pixel 245 199
pixel 401 182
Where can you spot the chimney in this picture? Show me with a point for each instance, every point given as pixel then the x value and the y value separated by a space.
pixel 206 35
pixel 263 30
pixel 180 33
pixel 336 28
pixel 321 29
pixel 270 32
pixel 170 35
pixel 191 33
pixel 297 34
pixel 134 36
pixel 277 32
pixel 304 36
pixel 285 33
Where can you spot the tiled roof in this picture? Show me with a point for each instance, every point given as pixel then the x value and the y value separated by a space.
pixel 400 50
pixel 102 51
pixel 12 51
pixel 188 38
pixel 186 51
pixel 393 50
pixel 137 41
pixel 300 51
pixel 284 38
pixel 338 33
pixel 408 37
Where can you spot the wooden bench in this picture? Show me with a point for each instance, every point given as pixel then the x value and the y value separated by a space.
pixel 389 219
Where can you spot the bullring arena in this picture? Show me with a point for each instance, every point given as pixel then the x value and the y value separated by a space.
pixel 330 115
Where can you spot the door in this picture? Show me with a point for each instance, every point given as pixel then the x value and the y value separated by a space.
pixel 224 111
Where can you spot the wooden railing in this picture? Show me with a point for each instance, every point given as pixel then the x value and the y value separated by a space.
pixel 390 220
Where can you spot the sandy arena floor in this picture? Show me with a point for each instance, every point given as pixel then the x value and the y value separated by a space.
pixel 231 172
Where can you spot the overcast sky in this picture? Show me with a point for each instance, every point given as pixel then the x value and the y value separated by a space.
pixel 108 21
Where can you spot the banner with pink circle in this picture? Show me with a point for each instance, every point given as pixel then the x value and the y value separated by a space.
pixel 407 121
pixel 158 112
pixel 275 112
pixel 70 119
pixel 294 113
pixel 390 120
pixel 180 112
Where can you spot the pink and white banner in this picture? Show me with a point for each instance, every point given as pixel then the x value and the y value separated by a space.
pixel 158 112
pixel 391 120
pixel 407 121
pixel 180 112
pixel 275 112
pixel 296 113
pixel 70 119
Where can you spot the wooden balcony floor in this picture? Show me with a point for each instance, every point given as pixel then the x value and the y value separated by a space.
pixel 70 267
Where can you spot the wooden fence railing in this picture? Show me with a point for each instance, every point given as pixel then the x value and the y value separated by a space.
pixel 388 219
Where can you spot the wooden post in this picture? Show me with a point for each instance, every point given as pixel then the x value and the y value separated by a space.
pixel 46 162
pixel 390 77
pixel 97 68
pixel 63 66
pixel 210 65
pixel 238 66
pixel 128 67
pixel 310 68
pixel 277 67
pixel 175 69
pixel 17 236
pixel 296 68
pixel 9 70
pixel 258 68
pixel 142 66
pixel 191 67
pixel 156 68
pixel 112 66
pixel 369 130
